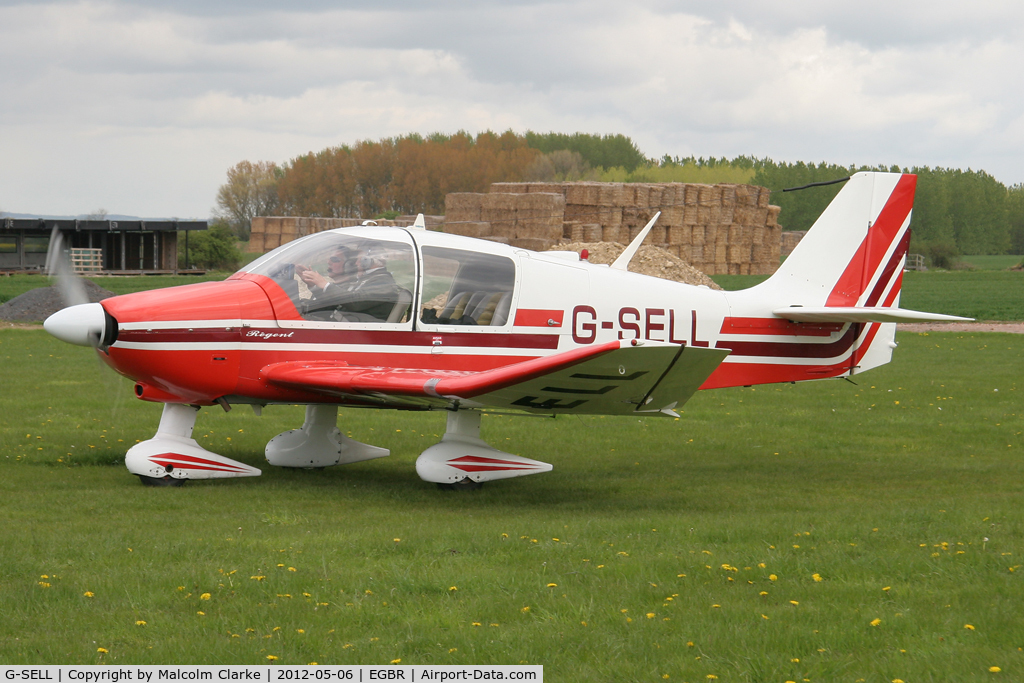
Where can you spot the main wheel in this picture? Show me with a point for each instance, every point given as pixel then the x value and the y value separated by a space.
pixel 466 484
pixel 161 481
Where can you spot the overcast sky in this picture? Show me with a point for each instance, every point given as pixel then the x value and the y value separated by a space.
pixel 141 107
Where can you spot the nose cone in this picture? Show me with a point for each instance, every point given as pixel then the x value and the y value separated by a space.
pixel 83 324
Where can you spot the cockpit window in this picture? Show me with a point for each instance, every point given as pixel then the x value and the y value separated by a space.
pixel 345 278
pixel 466 288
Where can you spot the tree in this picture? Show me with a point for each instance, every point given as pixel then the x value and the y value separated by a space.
pixel 251 190
pixel 214 248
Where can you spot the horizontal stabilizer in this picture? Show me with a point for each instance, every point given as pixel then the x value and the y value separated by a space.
pixel 861 314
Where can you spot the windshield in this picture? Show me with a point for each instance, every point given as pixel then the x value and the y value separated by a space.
pixel 345 277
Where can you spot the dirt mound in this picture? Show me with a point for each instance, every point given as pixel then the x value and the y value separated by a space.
pixel 653 261
pixel 40 303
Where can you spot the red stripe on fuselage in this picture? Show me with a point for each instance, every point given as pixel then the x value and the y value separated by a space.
pixel 534 317
pixel 778 326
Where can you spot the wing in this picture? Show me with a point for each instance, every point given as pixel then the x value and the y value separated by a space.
pixel 615 378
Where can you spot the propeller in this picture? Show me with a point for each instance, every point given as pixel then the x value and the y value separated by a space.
pixel 79 322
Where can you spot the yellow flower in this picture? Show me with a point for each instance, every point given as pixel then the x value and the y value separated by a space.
pixel 204 596
pixel 525 609
pixel 272 657
pixel 453 588
pixel 876 622
pixel 817 578
pixel 772 577
pixel 763 593
pixel 101 650
pixel 88 594
pixel 396 661
pixel 794 602
pixel 969 627
pixel 292 569
pixel 650 615
pixel 552 585
pixel 994 669
pixel 887 588
pixel 140 623
pixel 201 614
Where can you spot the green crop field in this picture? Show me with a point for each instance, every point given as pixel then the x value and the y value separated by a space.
pixel 815 532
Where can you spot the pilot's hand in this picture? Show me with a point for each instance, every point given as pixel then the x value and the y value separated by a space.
pixel 313 278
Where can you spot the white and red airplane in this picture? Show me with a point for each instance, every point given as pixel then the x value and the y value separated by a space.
pixel 383 317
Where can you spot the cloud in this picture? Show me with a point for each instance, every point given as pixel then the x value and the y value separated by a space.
pixel 141 107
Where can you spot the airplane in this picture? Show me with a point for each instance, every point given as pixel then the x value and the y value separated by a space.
pixel 410 319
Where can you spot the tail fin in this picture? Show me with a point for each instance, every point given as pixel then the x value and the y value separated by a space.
pixel 854 253
pixel 831 308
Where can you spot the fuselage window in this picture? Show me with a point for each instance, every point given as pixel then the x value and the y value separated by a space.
pixel 344 278
pixel 466 288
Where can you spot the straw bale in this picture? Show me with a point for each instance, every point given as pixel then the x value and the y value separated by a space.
pixel 580 213
pixel 255 243
pixel 693 193
pixel 641 194
pixel 508 188
pixel 709 195
pixel 290 227
pixel 674 193
pixel 610 216
pixel 679 234
pixel 743 215
pixel 547 188
pixel 672 215
pixel 657 235
pixel 272 226
pixel 734 269
pixel 271 241
pixel 544 230
pixel 734 232
pixel 533 244
pixel 469 228
pixel 773 216
pixel 721 252
pixel 746 195
pixel 690 214
pixel 498 201
pixel 593 232
pixel 735 253
pixel 613 233
pixel 728 193
pixel 715 214
pixel 704 214
pixel 696 233
pixel 710 233
pixel 576 193
pixel 696 253
pixel 763 196
pixel 757 236
pixel 463 206
pixel 500 239
pixel 759 216
pixel 611 194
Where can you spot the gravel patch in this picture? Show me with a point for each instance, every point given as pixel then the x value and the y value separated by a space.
pixel 39 304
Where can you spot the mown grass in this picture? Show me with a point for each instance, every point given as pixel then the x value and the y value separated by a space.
pixel 655 548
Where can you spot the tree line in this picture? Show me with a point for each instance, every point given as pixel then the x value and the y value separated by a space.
pixel 955 212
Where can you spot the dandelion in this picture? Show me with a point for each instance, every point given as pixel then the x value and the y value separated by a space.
pixel 817 578
pixel 969 627
pixel 201 614
pixel 773 577
pixel 650 615
pixel 887 589
pixel 994 669
pixel 525 609
pixel 552 585
pixel 88 594
pixel 396 661
pixel 272 658
pixel 794 603
pixel 101 650
pixel 876 622
pixel 452 649
pixel 140 623
pixel 292 569
pixel 204 596
pixel 763 593
pixel 452 589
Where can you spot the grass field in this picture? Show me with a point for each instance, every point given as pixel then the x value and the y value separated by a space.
pixel 816 532
pixel 992 262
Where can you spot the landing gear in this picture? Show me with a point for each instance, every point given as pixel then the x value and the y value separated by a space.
pixel 466 484
pixel 462 460
pixel 161 482
pixel 173 455
pixel 319 443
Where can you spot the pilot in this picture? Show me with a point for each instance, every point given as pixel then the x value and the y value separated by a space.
pixel 365 290
pixel 341 271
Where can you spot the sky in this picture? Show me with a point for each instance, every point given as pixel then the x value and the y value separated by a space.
pixel 140 108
